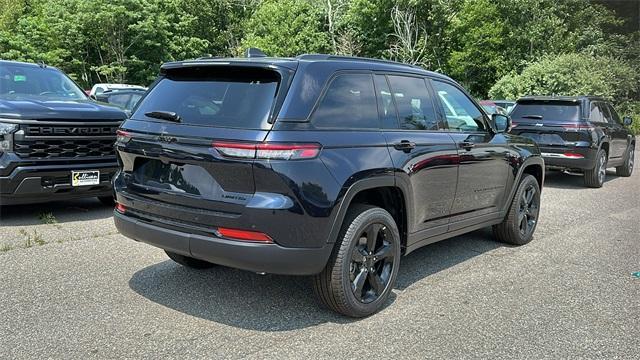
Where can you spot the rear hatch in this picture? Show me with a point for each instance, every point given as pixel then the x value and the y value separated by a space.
pixel 169 161
pixel 551 123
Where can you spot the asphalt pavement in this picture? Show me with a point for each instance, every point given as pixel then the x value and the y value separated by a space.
pixel 71 287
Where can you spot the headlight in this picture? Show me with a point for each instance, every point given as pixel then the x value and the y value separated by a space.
pixel 6 137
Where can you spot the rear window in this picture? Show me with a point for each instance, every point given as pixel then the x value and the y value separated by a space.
pixel 229 97
pixel 546 111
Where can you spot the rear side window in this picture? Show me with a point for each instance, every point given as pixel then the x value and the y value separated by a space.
pixel 230 97
pixel 546 111
pixel 596 115
pixel 348 103
pixel 415 108
pixel 386 107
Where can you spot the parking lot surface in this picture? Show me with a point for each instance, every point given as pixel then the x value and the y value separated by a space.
pixel 71 287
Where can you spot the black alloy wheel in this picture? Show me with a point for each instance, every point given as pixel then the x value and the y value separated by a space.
pixel 371 263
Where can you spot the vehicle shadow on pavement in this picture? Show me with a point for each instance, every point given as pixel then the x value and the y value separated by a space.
pixel 54 212
pixel 279 303
pixel 561 180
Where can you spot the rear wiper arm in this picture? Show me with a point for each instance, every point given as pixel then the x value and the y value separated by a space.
pixel 539 117
pixel 164 115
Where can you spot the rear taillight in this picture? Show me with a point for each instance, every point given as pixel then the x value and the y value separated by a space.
pixel 577 127
pixel 573 155
pixel 120 208
pixel 245 235
pixel 268 151
pixel 122 136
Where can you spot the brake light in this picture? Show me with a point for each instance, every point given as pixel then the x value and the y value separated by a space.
pixel 121 208
pixel 122 136
pixel 577 127
pixel 268 151
pixel 573 155
pixel 236 234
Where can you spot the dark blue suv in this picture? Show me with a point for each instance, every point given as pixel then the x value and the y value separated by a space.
pixel 318 165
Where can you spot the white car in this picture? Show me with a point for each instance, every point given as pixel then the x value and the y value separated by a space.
pixel 98 89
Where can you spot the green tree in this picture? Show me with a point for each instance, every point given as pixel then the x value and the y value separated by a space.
pixel 287 28
pixel 571 74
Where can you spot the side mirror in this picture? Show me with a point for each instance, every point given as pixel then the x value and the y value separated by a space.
pixel 627 120
pixel 501 123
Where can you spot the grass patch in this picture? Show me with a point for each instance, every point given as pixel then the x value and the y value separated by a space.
pixel 32 239
pixel 47 218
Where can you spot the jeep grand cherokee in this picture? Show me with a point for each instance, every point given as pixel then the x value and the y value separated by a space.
pixel 318 165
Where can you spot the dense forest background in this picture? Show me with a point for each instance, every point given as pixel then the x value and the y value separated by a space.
pixel 495 48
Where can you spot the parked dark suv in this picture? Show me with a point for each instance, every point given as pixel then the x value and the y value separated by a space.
pixel 581 133
pixel 55 143
pixel 318 165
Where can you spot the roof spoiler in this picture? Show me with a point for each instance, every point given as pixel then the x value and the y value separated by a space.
pixel 254 53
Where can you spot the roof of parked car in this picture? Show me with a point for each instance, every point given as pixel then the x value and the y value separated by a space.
pixel 41 65
pixel 559 98
pixel 347 62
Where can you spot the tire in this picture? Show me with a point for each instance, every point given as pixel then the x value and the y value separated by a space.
pixel 626 169
pixel 107 200
pixel 594 178
pixel 347 284
pixel 189 261
pixel 521 220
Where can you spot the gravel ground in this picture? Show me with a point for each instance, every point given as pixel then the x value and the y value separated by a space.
pixel 77 289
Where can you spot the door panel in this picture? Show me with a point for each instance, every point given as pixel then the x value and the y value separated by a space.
pixel 483 167
pixel 617 131
pixel 425 161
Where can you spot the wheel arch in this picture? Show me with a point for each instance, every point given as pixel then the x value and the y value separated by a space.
pixel 380 191
pixel 532 165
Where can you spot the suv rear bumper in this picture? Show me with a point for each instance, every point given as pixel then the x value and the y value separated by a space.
pixel 33 182
pixel 554 157
pixel 268 258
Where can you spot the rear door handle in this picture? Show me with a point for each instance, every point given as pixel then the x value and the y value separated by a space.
pixel 467 145
pixel 404 145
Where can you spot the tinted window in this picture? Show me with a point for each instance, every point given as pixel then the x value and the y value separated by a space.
pixel 120 99
pixel 386 107
pixel 348 103
pixel 415 108
pixel 596 115
pixel 25 81
pixel 546 111
pixel 459 110
pixel 235 98
pixel 614 115
pixel 604 108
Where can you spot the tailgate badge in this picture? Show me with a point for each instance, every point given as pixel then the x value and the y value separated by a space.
pixel 167 139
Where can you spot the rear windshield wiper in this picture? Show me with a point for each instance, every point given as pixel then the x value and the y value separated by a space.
pixel 164 115
pixel 539 117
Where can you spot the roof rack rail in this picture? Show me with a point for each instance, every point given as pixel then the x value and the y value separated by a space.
pixel 351 58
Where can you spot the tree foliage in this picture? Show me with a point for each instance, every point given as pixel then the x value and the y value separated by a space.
pixel 287 28
pixel 571 74
pixel 480 43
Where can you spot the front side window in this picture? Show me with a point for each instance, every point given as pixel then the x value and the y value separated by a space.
pixel 415 108
pixel 459 110
pixel 348 103
pixel 26 82
pixel 614 115
pixel 230 97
